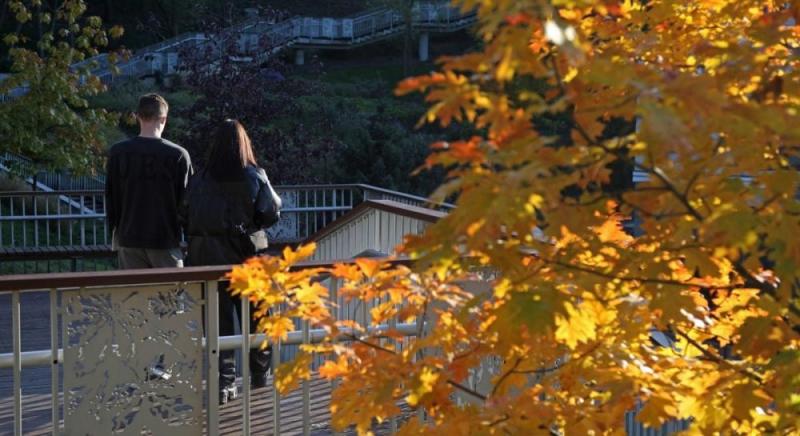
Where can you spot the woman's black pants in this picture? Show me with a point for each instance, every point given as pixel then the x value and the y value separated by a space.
pixel 259 359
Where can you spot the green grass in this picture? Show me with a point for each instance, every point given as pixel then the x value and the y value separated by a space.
pixel 390 73
pixel 57 265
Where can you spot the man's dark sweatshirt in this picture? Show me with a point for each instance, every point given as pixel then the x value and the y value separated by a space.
pixel 145 182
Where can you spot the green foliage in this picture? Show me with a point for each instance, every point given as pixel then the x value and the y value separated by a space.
pixel 376 142
pixel 52 123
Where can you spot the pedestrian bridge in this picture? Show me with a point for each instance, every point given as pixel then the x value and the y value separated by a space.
pixel 56 231
pixel 136 352
pixel 114 346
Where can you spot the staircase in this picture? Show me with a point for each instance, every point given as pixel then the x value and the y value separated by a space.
pixel 258 38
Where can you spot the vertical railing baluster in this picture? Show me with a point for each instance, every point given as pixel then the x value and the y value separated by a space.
pixel 245 365
pixel 324 213
pixel 393 347
pixel 54 361
pixel 70 223
pixel 420 326
pixel 335 212
pixel 2 223
pixel 17 346
pixel 58 222
pixel 24 225
pixel 35 222
pixel 306 388
pixel 212 347
pixel 83 224
pixel 47 221
pixel 94 221
pixel 364 314
pixel 276 397
pixel 334 289
pixel 106 230
pixel 306 214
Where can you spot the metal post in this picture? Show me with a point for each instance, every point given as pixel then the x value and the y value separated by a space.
pixel 212 347
pixel 54 359
pixel 306 389
pixel 17 344
pixel 336 316
pixel 393 326
pixel 83 226
pixel 35 223
pixel 424 40
pixel 58 223
pixel 420 334
pixel 94 221
pixel 47 222
pixel 245 365
pixel 12 221
pixel 24 224
pixel 276 397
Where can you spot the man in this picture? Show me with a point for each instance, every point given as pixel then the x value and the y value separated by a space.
pixel 146 177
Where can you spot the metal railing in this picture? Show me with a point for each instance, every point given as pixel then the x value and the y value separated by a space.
pixel 148 340
pixel 40 219
pixel 31 220
pixel 49 180
pixel 257 33
pixel 141 340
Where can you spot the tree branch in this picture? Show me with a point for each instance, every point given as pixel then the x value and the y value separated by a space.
pixel 716 358
pixel 467 390
pixel 633 279
pixel 505 376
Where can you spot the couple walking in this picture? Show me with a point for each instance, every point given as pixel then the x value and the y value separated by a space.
pixel 224 210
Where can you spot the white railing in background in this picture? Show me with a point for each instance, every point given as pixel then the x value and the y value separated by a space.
pixel 48 180
pixel 40 219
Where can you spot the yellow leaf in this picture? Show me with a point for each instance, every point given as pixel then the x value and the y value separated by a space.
pixel 423 385
pixel 289 375
pixel 576 327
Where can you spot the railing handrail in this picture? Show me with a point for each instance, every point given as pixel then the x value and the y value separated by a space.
pixel 46 281
pixel 37 193
pixel 175 40
pixel 363 186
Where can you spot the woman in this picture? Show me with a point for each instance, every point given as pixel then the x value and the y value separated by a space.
pixel 227 208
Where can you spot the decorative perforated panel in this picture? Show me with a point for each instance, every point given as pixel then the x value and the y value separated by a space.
pixel 133 360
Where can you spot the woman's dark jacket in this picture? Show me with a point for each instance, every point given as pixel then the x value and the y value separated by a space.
pixel 225 221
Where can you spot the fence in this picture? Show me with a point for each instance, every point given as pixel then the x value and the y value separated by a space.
pixel 49 180
pixel 39 219
pixel 120 344
pixel 134 354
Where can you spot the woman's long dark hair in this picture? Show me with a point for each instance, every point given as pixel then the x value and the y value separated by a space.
pixel 231 152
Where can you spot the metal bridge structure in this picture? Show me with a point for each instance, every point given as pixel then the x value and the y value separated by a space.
pixel 258 38
pixel 66 230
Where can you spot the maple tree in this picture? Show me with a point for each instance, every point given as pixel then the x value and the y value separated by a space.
pixel 571 302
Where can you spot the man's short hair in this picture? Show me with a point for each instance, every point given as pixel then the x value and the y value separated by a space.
pixel 152 107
